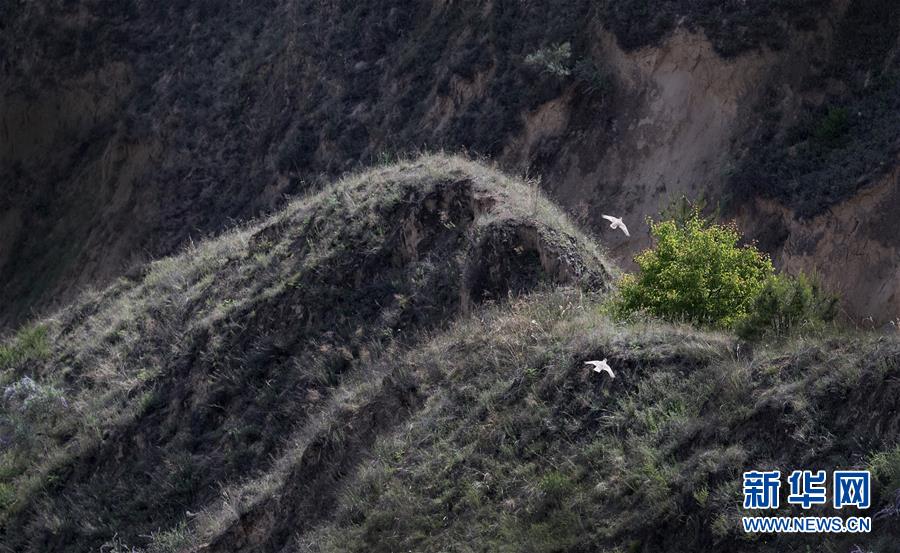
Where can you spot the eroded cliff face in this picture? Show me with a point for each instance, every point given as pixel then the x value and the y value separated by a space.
pixel 127 129
pixel 679 113
pixel 73 207
pixel 853 246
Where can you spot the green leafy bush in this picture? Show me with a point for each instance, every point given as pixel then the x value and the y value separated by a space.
pixel 785 304
pixel 697 273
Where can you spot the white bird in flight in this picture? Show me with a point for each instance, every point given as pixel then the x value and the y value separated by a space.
pixel 601 367
pixel 617 224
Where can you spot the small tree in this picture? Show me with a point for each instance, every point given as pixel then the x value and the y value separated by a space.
pixel 785 304
pixel 697 272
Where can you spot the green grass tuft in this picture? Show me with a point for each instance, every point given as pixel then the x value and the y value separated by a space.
pixel 30 343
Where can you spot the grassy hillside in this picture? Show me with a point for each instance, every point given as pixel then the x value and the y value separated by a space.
pixel 396 364
pixel 137 402
pixel 516 446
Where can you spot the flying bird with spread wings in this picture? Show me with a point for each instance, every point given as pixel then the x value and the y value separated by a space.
pixel 616 223
pixel 601 367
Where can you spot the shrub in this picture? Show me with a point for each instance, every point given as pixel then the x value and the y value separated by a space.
pixel 833 127
pixel 554 59
pixel 27 410
pixel 594 80
pixel 785 304
pixel 682 209
pixel 697 273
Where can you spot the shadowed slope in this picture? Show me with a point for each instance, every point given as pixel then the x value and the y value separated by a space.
pixel 493 436
pixel 196 369
pixel 396 364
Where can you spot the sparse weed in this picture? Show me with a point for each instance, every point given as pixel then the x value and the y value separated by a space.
pixel 116 545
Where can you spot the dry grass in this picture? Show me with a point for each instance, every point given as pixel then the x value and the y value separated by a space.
pixel 197 369
pixel 296 381
pixel 518 447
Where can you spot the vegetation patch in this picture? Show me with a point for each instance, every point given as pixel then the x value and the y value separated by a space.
pixel 697 272
pixel 841 143
pixel 360 372
pixel 518 447
pixel 787 304
pixel 733 26
pixel 30 343
pixel 133 405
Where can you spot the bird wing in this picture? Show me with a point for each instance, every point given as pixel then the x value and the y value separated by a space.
pixel 612 219
pixel 624 229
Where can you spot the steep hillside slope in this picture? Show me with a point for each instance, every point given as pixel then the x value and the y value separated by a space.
pixel 129 127
pixel 516 446
pixel 395 363
pixel 195 370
